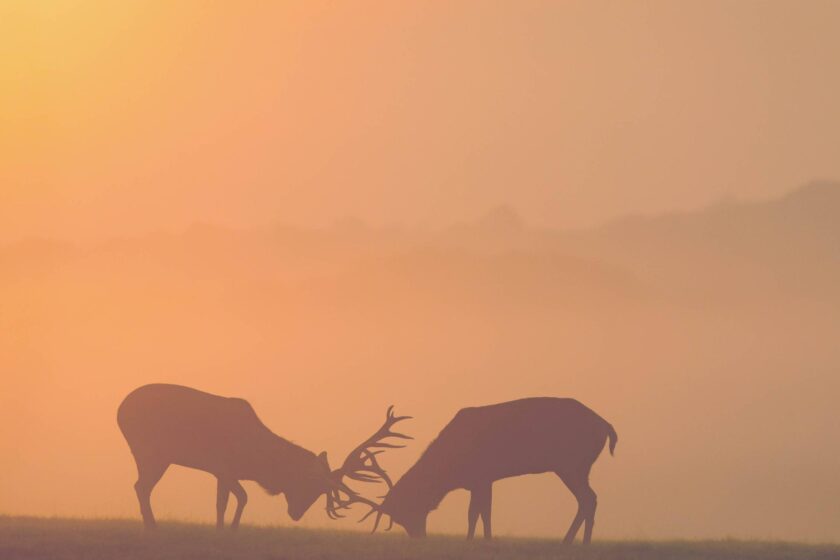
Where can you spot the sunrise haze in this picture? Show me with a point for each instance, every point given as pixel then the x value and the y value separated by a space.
pixel 327 208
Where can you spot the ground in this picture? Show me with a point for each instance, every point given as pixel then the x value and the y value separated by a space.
pixel 60 539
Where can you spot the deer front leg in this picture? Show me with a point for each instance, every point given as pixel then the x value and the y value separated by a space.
pixel 222 496
pixel 241 500
pixel 472 515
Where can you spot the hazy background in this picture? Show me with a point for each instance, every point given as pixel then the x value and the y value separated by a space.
pixel 326 208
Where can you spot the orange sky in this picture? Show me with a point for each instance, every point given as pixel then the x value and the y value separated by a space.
pixel 130 117
pixel 716 361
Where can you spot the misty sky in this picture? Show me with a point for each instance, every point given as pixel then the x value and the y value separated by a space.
pixel 122 118
pixel 710 342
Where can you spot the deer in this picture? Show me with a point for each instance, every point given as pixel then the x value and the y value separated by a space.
pixel 483 444
pixel 167 425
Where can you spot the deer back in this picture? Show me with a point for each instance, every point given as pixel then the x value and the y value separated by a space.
pixel 519 437
pixel 184 426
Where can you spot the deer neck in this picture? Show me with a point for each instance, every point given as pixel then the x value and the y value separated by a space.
pixel 422 489
pixel 281 464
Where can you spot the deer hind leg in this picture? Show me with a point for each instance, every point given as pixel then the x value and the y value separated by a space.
pixel 222 496
pixel 589 522
pixel 148 475
pixel 578 484
pixel 241 500
pixel 486 509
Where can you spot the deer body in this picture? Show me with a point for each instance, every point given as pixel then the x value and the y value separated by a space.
pixel 484 444
pixel 174 425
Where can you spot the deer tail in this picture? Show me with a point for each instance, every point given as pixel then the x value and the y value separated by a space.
pixel 613 437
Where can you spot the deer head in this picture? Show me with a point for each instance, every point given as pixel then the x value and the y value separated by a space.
pixel 309 479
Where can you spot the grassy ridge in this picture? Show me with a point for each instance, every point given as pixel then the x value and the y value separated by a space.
pixel 60 539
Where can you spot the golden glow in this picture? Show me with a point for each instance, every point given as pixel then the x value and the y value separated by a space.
pixel 124 124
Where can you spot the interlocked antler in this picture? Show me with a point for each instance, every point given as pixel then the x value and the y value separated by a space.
pixel 361 464
pixel 335 502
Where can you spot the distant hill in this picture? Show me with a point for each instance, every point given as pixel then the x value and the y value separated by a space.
pixel 787 244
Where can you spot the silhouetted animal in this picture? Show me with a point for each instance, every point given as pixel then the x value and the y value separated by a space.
pixel 174 425
pixel 484 444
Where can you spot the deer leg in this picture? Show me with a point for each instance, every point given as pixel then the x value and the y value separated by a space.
pixel 577 485
pixel 222 496
pixel 486 508
pixel 573 528
pixel 589 522
pixel 148 474
pixel 472 516
pixel 241 500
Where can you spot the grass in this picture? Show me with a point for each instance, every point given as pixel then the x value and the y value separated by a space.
pixel 65 539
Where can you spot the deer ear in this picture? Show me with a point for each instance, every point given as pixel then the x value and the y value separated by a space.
pixel 322 456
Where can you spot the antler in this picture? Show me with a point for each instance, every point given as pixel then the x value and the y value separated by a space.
pixel 335 503
pixel 361 463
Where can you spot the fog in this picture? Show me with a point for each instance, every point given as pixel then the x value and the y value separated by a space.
pixel 714 356
pixel 329 208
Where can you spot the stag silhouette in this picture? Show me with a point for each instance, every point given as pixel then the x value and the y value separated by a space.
pixel 174 425
pixel 484 444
